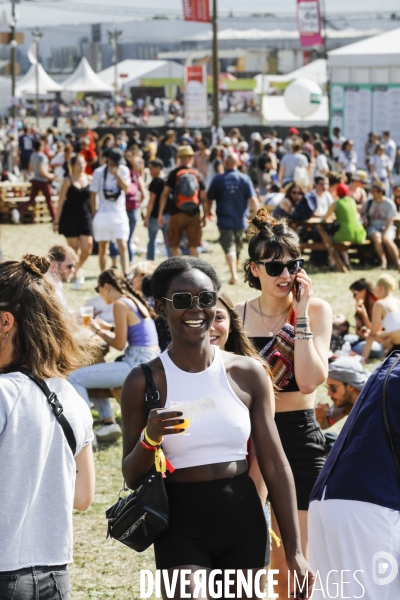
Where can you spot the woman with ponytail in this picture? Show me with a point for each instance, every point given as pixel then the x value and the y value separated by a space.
pixel 43 475
pixel 291 330
pixel 134 326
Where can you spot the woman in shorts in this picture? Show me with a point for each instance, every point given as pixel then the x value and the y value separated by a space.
pixel 291 330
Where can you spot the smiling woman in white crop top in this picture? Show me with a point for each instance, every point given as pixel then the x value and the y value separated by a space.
pixel 385 315
pixel 216 518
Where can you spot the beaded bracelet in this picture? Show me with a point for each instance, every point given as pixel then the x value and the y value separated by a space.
pixel 308 336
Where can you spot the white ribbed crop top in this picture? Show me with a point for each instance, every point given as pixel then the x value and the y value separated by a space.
pixel 216 437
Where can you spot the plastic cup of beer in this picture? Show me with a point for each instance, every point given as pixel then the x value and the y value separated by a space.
pixel 185 425
pixel 87 313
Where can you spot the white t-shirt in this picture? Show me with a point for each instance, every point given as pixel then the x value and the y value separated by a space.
pixel 321 166
pixel 37 471
pixel 391 149
pixel 349 162
pixel 323 203
pixel 381 165
pixel 273 199
pixel 110 183
pixel 337 143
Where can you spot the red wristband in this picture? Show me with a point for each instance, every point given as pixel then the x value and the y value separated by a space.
pixel 146 446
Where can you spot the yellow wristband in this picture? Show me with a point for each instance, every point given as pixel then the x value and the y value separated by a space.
pixel 151 442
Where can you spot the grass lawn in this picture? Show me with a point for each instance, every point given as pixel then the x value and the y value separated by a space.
pixel 105 569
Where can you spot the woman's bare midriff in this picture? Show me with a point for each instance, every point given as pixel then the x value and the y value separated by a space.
pixel 290 401
pixel 208 472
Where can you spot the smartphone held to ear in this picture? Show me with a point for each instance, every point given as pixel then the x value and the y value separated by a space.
pixel 297 290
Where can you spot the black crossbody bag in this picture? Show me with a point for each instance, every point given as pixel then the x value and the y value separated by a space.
pixel 55 405
pixel 140 518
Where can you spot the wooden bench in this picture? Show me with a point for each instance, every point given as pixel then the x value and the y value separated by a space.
pixel 339 247
pixel 106 393
pixel 11 194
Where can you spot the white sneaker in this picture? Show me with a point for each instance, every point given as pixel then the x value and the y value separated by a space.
pixel 79 276
pixel 15 216
pixel 108 433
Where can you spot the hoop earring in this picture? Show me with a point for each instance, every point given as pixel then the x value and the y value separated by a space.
pixel 4 336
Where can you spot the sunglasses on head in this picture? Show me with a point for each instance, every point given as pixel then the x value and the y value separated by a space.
pixel 184 300
pixel 275 268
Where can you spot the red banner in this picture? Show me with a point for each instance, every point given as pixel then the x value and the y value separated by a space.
pixel 196 10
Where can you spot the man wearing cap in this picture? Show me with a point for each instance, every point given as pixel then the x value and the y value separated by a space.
pixel 110 220
pixel 354 512
pixel 293 134
pixel 357 187
pixel 184 215
pixel 378 221
pixel 346 379
pixel 233 193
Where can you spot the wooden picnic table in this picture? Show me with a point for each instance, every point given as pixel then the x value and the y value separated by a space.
pixel 320 226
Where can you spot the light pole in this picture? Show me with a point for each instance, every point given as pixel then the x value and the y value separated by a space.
pixel 114 37
pixel 13 44
pixel 215 67
pixel 37 34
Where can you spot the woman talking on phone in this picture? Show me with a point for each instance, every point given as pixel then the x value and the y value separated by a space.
pixel 291 331
pixel 216 519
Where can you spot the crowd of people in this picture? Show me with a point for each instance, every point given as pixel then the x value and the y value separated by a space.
pixel 258 466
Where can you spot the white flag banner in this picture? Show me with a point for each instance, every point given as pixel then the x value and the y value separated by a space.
pixel 32 53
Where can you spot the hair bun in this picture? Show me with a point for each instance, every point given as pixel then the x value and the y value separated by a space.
pixel 262 222
pixel 38 265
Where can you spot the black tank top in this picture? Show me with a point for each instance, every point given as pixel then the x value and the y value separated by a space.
pixel 77 196
pixel 260 343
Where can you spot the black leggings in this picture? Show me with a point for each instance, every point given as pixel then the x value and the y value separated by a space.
pixel 217 524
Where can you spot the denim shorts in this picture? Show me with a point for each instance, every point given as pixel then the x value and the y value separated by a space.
pixel 36 583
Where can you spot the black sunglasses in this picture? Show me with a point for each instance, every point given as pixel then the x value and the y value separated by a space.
pixel 97 289
pixel 184 300
pixel 275 268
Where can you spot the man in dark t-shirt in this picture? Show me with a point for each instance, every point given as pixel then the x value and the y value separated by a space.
pixel 156 188
pixel 25 145
pixel 188 191
pixel 234 194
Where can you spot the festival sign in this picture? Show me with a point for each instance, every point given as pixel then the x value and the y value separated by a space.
pixel 196 10
pixel 309 23
pixel 196 96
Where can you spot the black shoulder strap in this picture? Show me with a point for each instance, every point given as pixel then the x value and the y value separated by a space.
pixel 152 396
pixel 244 312
pixel 385 414
pixel 55 404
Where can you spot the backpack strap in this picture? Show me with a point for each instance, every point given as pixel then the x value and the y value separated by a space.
pixel 152 395
pixel 55 405
pixel 385 413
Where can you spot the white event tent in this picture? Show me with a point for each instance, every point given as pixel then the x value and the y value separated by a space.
pixel 84 79
pixel 375 60
pixel 316 71
pixel 132 73
pixel 27 85
pixel 275 112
